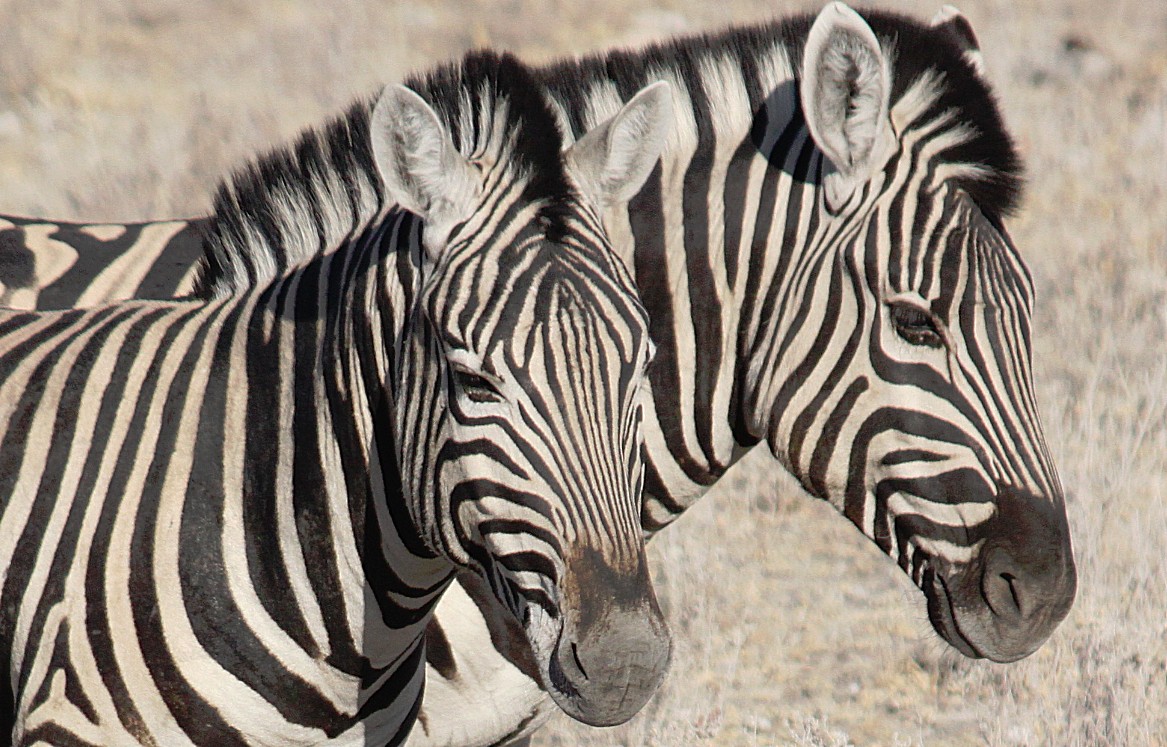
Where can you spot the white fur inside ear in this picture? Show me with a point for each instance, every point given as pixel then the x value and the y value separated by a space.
pixel 419 165
pixel 612 161
pixel 845 90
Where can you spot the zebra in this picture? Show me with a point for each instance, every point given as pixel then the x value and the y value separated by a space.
pixel 228 521
pixel 824 239
pixel 825 263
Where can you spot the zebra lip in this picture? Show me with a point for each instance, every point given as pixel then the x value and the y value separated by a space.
pixel 942 615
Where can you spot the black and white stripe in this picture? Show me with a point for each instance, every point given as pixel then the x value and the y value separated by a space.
pixel 228 521
pixel 871 326
pixel 57 265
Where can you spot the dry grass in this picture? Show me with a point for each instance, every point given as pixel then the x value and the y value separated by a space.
pixel 791 628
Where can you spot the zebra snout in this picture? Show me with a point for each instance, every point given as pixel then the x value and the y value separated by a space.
pixel 611 670
pixel 1024 606
pixel 1023 582
pixel 1008 594
pixel 1029 588
pixel 615 647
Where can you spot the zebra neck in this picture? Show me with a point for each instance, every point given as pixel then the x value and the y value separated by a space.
pixel 341 321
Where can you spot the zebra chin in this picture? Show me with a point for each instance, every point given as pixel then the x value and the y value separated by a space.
pixel 1007 600
pixel 612 648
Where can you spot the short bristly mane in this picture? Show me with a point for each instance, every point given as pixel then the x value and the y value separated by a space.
pixel 307 199
pixel 931 56
pixel 928 64
pixel 300 201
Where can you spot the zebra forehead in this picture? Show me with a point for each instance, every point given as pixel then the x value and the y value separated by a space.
pixel 496 111
pixel 946 241
pixel 932 76
pixel 555 295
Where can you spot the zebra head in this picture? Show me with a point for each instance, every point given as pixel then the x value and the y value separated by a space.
pixel 530 353
pixel 924 431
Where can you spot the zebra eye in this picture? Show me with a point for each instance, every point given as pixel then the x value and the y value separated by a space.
pixel 476 387
pixel 916 326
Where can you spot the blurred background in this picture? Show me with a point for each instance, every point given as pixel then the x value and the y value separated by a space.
pixel 791 628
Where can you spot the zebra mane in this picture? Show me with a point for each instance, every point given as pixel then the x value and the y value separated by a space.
pixel 921 52
pixel 988 166
pixel 301 201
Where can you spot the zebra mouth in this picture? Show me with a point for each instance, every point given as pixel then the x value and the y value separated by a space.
pixel 942 615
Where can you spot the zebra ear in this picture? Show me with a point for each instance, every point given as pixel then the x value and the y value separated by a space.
pixel 419 164
pixel 952 22
pixel 611 162
pixel 845 89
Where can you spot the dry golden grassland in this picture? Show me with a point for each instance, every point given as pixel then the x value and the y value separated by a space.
pixel 791 628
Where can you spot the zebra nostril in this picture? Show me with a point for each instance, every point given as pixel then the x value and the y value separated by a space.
pixel 1001 587
pixel 559 679
pixel 1011 581
pixel 578 663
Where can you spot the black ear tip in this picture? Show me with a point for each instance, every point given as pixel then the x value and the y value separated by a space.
pixel 961 31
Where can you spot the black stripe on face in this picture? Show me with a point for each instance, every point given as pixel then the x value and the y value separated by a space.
pixel 909 529
pixel 514 597
pixel 913 424
pixel 980 297
pixel 814 357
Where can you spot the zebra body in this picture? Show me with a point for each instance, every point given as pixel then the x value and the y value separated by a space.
pixel 849 295
pixel 228 521
pixel 56 265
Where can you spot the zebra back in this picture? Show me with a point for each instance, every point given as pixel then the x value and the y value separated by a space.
pixel 57 265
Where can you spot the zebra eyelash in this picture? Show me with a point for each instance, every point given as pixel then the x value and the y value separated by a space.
pixel 915 325
pixel 475 386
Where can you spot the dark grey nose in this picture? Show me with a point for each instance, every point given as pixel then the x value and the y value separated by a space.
pixel 615 646
pixel 1029 579
pixel 1023 582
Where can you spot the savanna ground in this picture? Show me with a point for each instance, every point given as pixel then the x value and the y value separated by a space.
pixel 791 628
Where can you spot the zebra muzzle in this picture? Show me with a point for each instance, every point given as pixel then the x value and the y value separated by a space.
pixel 1006 602
pixel 614 647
